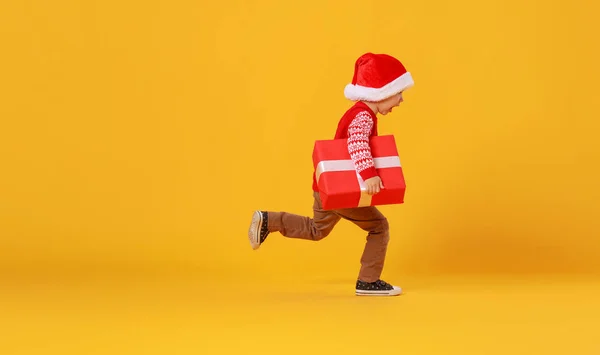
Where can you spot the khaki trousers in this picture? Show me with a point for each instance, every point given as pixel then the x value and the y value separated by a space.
pixel 369 219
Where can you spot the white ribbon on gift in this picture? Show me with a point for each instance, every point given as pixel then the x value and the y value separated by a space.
pixel 348 165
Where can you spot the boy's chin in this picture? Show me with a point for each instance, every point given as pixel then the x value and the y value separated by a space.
pixel 387 112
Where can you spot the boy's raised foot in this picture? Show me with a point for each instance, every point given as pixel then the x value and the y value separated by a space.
pixel 258 232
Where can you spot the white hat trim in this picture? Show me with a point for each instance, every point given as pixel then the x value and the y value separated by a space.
pixel 363 93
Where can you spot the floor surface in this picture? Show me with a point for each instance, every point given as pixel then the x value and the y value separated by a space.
pixel 443 315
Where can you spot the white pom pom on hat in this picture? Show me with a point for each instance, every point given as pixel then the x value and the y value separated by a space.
pixel 377 77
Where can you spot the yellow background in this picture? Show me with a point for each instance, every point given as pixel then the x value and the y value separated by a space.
pixel 136 137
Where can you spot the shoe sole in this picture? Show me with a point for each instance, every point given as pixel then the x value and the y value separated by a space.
pixel 254 230
pixel 394 292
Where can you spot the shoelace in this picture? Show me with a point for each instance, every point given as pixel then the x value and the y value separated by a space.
pixel 382 283
pixel 264 232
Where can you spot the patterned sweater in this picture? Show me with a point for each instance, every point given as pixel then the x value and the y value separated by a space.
pixel 357 125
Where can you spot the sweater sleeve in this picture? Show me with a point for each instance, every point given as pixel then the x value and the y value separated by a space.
pixel 359 132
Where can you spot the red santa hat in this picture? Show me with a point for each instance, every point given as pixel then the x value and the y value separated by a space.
pixel 377 77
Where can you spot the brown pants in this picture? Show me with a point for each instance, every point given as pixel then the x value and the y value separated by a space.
pixel 369 219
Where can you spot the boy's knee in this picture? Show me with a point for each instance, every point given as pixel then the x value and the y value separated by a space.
pixel 320 234
pixel 382 226
pixel 382 229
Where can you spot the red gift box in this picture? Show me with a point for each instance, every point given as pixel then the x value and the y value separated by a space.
pixel 340 186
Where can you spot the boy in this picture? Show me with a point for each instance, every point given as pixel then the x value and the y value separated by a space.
pixel 376 87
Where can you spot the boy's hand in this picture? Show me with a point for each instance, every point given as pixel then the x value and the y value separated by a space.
pixel 374 185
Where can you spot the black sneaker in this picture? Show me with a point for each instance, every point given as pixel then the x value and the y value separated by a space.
pixel 377 288
pixel 257 233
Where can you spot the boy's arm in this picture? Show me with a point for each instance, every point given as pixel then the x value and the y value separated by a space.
pixel 359 132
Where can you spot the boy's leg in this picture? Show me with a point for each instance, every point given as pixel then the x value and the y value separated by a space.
pixel 292 225
pixel 371 220
pixel 314 228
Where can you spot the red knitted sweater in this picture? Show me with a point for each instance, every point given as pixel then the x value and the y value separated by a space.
pixel 357 125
